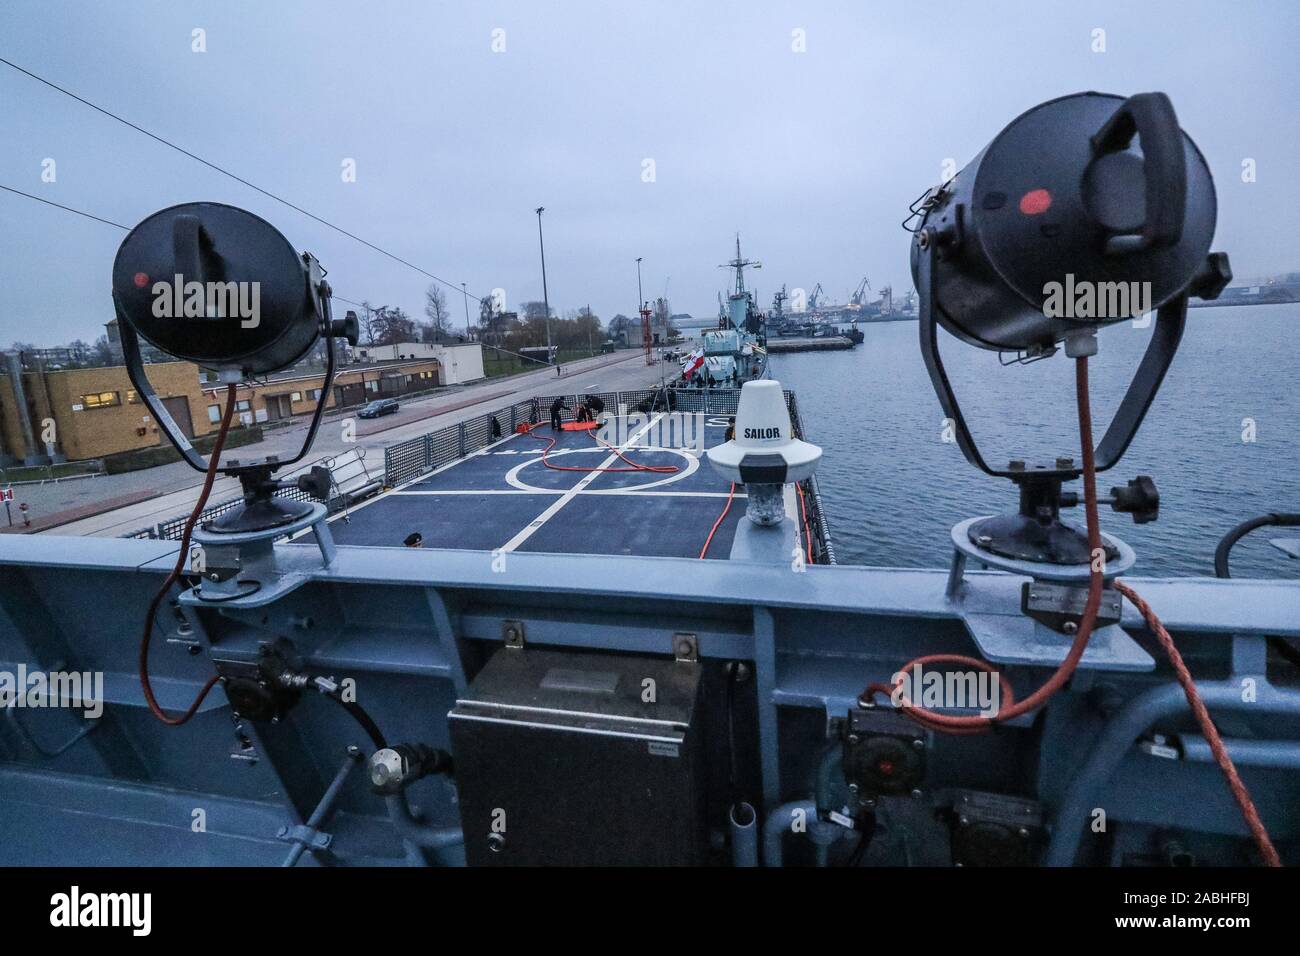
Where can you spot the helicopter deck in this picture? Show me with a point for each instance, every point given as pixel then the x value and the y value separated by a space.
pixel 519 494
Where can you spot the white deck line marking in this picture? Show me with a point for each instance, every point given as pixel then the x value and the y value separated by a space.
pixel 692 464
pixel 348 512
pixel 573 492
pixel 562 491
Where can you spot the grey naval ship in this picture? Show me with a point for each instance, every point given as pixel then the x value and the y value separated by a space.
pixel 634 644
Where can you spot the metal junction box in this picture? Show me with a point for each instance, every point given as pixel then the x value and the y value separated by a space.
pixel 580 759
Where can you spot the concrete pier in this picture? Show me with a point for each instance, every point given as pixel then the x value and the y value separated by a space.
pixel 828 344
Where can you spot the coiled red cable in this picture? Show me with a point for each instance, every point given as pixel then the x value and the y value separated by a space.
pixel 965 724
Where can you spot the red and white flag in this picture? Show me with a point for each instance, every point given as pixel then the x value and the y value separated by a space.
pixel 693 362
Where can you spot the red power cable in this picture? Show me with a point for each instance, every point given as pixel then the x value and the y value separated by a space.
pixel 963 724
pixel 967 725
pixel 152 614
pixel 714 530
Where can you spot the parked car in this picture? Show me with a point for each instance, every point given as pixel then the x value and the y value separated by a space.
pixel 380 406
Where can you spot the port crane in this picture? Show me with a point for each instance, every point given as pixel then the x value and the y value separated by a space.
pixel 859 296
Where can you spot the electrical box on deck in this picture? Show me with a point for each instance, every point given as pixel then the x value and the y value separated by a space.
pixel 580 759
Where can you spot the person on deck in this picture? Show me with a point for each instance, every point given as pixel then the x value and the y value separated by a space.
pixel 557 421
pixel 596 406
pixel 730 434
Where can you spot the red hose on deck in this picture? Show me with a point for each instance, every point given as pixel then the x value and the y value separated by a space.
pixel 635 466
pixel 807 532
pixel 714 530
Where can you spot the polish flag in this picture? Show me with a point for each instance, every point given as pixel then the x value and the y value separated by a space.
pixel 693 362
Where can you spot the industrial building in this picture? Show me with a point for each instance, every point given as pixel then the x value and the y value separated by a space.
pixel 59 414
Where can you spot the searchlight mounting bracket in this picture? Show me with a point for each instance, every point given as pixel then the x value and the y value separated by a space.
pixel 261 509
pixel 1035 533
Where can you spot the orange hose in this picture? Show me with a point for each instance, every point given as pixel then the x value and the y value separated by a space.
pixel 714 530
pixel 152 614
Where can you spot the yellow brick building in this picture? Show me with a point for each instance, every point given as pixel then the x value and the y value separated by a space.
pixel 92 412
pixel 85 413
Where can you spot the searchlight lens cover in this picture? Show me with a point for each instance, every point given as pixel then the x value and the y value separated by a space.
pixel 217 286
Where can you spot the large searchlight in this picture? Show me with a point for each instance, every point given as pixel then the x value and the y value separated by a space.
pixel 221 287
pixel 764 456
pixel 1091 193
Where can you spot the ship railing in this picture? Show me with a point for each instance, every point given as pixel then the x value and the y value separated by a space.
pixel 351 480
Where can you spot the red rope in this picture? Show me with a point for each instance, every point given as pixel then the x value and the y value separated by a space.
pixel 1239 791
pixel 152 614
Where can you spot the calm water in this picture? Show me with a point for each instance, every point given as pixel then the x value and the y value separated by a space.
pixel 893 488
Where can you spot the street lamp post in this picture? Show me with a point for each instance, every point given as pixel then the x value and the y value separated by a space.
pixel 546 302
pixel 639 301
pixel 465 293
pixel 641 307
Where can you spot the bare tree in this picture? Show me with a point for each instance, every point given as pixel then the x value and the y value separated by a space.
pixel 435 307
pixel 367 320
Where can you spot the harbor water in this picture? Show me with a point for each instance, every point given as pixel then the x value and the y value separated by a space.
pixel 1222 439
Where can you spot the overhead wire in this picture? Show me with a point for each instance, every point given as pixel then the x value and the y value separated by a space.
pixel 237 178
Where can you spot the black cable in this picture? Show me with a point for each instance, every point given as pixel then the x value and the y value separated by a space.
pixel 109 222
pixel 48 202
pixel 358 713
pixel 238 179
pixel 867 826
pixel 730 671
pixel 1281 519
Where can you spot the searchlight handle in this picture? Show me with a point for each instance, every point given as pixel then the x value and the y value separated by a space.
pixel 1151 118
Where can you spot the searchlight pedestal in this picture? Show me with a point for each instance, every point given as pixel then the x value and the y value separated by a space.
pixel 1090 192
pixel 218 286
pixel 765 457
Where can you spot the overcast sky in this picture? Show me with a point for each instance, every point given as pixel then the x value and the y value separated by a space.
pixel 812 156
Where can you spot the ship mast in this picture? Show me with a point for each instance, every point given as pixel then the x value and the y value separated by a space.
pixel 739 265
pixel 739 302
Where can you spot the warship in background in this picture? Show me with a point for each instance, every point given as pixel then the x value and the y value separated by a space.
pixel 736 351
pixel 1275 290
